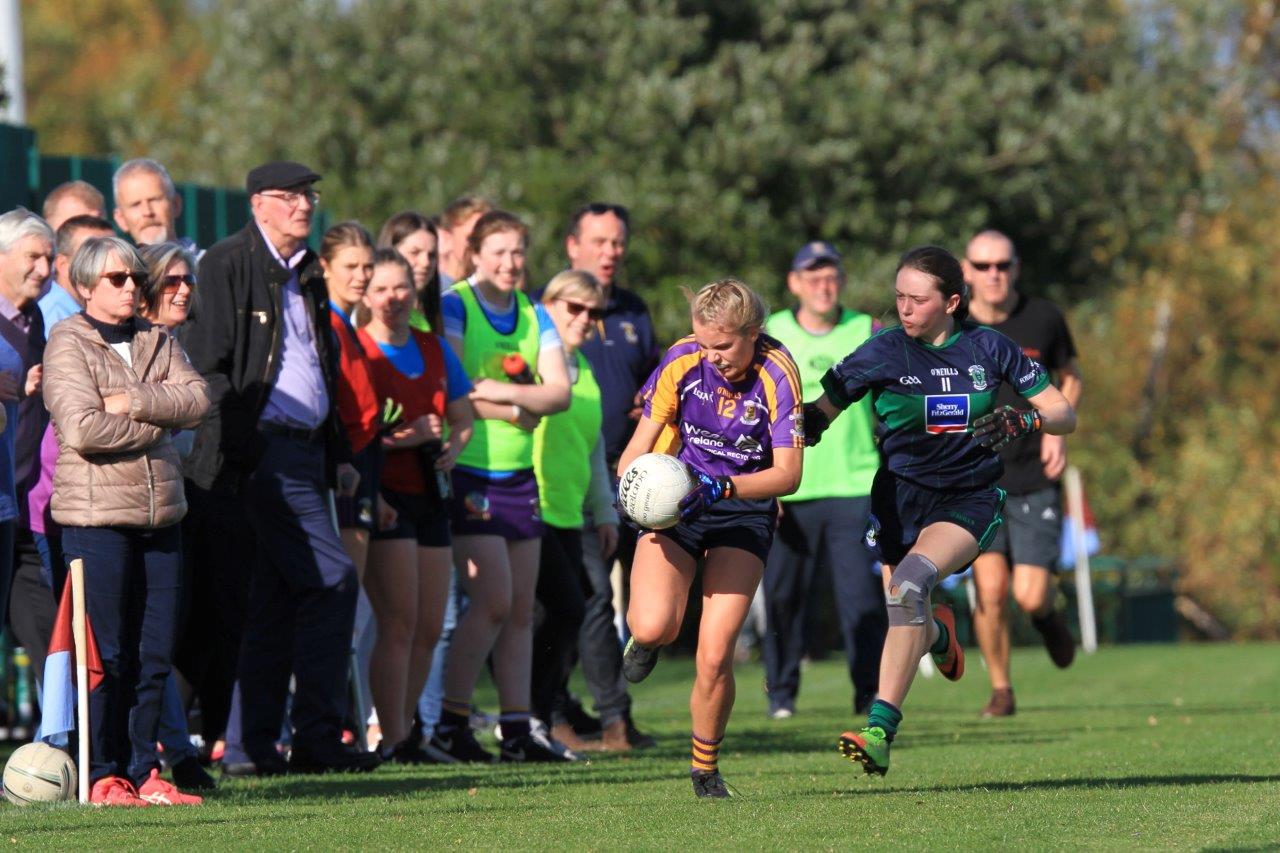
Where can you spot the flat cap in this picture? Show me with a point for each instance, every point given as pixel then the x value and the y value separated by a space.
pixel 280 175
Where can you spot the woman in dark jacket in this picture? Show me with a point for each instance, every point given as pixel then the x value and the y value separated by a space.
pixel 116 387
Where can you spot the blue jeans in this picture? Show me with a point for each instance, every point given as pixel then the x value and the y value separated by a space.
pixel 132 584
pixel 433 691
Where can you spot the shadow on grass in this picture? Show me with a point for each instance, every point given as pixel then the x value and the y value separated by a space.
pixel 506 778
pixel 1082 782
pixel 763 741
pixel 1187 708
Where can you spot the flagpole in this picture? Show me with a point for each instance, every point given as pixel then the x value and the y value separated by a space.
pixel 1084 586
pixel 82 674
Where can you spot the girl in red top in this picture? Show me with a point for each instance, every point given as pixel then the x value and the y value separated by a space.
pixel 410 562
pixel 346 256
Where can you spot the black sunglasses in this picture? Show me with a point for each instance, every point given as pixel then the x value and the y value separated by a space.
pixel 983 266
pixel 174 280
pixel 576 308
pixel 118 279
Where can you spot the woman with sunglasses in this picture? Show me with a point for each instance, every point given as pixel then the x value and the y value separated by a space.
pixel 168 297
pixel 568 459
pixel 935 505
pixel 117 387
pixel 512 352
pixel 166 300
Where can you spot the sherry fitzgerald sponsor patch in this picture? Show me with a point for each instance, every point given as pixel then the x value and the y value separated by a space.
pixel 946 413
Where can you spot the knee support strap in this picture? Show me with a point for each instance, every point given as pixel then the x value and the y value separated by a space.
pixel 909 589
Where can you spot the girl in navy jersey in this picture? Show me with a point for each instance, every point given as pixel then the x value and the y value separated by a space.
pixel 730 395
pixel 935 505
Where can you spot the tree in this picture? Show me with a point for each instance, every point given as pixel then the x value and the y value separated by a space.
pixel 735 131
pixel 102 75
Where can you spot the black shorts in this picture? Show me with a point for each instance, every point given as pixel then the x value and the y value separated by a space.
pixel 1032 530
pixel 734 523
pixel 360 510
pixel 900 510
pixel 423 518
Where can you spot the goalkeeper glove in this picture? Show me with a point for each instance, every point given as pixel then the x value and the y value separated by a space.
pixel 815 424
pixel 1002 426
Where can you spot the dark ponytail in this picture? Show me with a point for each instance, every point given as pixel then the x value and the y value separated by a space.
pixel 937 262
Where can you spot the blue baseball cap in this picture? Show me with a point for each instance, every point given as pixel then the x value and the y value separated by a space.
pixel 811 254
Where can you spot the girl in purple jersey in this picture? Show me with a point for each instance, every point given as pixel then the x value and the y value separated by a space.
pixel 928 526
pixel 732 396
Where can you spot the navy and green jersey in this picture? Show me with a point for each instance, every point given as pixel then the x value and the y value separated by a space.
pixel 927 397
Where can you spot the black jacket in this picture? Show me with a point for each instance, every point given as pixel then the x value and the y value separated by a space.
pixel 235 340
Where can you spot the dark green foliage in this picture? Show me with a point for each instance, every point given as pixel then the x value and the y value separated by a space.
pixel 735 131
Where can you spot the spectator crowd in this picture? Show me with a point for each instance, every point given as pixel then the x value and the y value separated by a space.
pixel 318 493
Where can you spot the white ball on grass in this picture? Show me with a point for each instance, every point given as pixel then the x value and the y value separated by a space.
pixel 39 773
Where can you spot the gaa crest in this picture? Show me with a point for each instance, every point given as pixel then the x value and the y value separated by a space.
pixel 978 376
pixel 750 412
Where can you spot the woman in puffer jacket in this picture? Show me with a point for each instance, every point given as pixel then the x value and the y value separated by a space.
pixel 117 387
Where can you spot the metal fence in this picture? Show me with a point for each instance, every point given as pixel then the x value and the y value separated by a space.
pixel 27 176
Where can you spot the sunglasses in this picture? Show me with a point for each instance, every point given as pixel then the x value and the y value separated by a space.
pixel 174 280
pixel 118 279
pixel 576 308
pixel 983 266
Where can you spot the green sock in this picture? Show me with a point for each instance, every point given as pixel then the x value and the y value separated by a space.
pixel 944 639
pixel 885 716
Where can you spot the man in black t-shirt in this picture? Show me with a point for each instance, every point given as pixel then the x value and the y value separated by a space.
pixel 1029 541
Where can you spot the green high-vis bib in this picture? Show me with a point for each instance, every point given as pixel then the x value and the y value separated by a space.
pixel 497 445
pixel 843 464
pixel 562 446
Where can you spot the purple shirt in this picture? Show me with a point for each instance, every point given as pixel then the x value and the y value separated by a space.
pixel 41 493
pixel 298 397
pixel 727 428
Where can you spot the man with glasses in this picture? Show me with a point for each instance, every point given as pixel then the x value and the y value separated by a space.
pixel 1029 540
pixel 273 444
pixel 148 204
pixel 622 353
pixel 822 524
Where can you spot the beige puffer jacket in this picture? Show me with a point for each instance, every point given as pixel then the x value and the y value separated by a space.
pixel 119 469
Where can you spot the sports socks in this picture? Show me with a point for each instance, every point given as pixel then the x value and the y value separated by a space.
pixel 706 755
pixel 886 716
pixel 944 639
pixel 455 714
pixel 514 722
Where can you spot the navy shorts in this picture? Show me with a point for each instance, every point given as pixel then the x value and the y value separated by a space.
pixel 900 510
pixel 508 507
pixel 733 523
pixel 1032 530
pixel 361 509
pixel 424 518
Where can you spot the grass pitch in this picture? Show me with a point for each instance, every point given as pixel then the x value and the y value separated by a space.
pixel 1134 747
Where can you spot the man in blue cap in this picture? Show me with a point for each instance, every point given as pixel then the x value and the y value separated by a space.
pixel 822 524
pixel 272 444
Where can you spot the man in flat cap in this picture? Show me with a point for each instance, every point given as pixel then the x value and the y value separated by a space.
pixel 261 469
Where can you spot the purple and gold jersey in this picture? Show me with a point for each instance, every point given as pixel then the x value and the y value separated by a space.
pixel 726 428
pixel 927 397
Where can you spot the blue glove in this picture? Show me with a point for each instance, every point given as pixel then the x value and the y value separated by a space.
pixel 709 490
